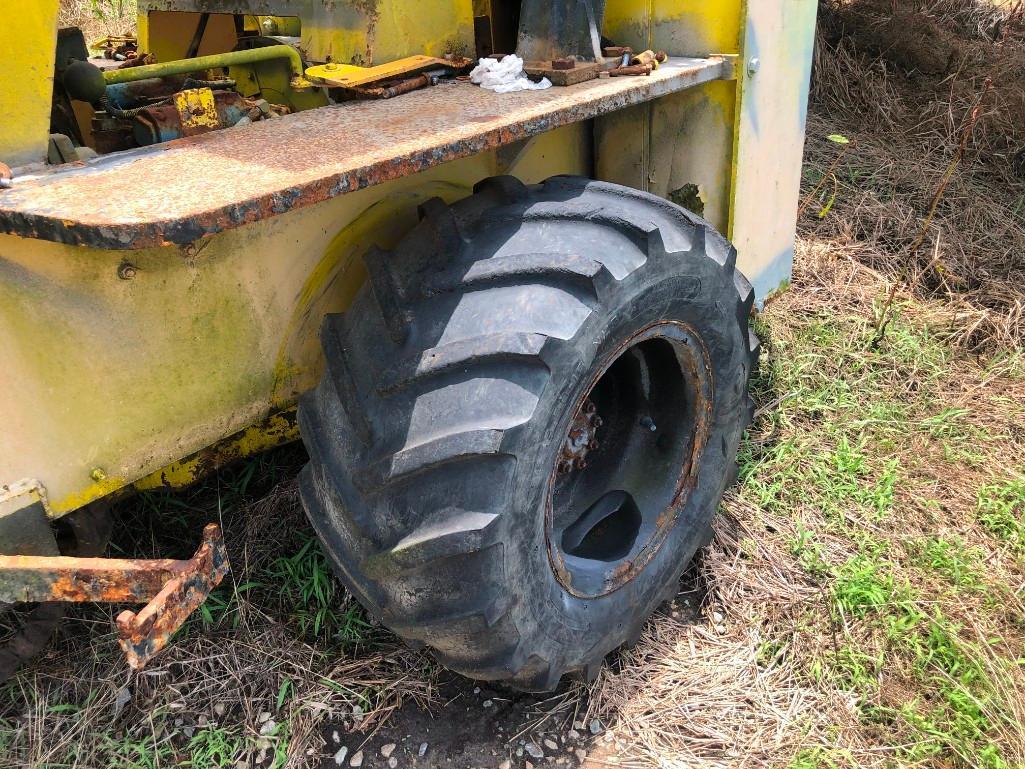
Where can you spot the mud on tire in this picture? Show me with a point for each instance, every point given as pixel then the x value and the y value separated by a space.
pixel 443 479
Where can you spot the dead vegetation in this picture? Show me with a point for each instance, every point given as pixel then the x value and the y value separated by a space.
pixel 908 86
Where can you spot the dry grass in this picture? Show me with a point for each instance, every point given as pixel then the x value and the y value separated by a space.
pixel 98 18
pixel 903 87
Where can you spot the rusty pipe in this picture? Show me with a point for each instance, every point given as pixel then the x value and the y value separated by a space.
pixel 213 61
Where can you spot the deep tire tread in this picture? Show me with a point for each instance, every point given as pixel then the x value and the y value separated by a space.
pixel 437 579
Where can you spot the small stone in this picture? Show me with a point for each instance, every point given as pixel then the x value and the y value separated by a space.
pixel 335 738
pixel 595 726
pixel 268 727
pixel 519 752
pixel 507 764
pixel 387 750
pixel 220 709
pixel 573 734
pixel 263 717
pixel 357 760
pixel 580 753
pixel 718 617
pixel 560 761
pixel 188 731
pixel 423 749
pixel 530 765
pixel 311 751
pixel 720 629
pixel 534 751
pixel 124 696
pixel 476 690
pixel 488 703
pixel 203 721
pixel 393 762
pixel 551 744
pixel 340 755
pixel 579 726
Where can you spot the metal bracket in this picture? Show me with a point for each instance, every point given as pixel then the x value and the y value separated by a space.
pixel 730 62
pixel 173 589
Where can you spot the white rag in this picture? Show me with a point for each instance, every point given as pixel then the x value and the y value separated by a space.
pixel 505 76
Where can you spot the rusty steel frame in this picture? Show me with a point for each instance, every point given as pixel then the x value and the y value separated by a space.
pixel 172 590
pixel 273 167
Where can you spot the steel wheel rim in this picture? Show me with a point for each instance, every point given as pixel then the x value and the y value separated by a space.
pixel 629 460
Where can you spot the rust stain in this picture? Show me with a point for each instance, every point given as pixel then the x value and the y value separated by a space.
pixel 145 634
pixel 174 589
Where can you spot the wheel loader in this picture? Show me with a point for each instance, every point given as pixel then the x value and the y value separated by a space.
pixel 511 325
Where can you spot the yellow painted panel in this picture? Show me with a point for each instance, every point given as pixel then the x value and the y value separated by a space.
pixel 107 381
pixel 393 29
pixel 167 34
pixel 679 140
pixel 27 85
pixel 679 27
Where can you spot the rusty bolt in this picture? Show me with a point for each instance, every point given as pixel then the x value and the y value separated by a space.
pixel 589 407
pixel 575 433
pixel 565 467
pixel 565 63
pixel 579 463
pixel 126 271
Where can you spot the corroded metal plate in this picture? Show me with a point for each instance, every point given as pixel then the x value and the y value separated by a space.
pixel 186 189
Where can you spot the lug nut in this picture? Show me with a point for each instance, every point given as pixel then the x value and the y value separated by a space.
pixel 589 407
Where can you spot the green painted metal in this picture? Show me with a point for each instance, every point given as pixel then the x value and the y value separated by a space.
pixel 214 61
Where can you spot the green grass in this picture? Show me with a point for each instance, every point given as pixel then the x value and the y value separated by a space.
pixel 857 444
pixel 304 581
pixel 1001 511
pixel 957 563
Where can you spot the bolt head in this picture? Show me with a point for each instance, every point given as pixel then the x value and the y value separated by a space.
pixel 126 271
pixel 579 463
pixel 753 65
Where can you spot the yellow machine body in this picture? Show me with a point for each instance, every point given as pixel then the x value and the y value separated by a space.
pixel 151 366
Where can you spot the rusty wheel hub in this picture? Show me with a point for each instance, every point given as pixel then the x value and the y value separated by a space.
pixel 620 479
pixel 582 438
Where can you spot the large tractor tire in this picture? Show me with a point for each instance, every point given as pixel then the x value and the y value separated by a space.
pixel 527 421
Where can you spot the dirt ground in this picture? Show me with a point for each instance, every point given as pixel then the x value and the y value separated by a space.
pixel 862 603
